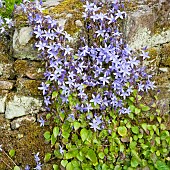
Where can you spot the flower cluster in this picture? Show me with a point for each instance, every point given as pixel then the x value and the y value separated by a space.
pixel 104 71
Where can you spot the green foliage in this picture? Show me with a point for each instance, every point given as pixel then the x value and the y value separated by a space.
pixel 6 12
pixel 17 168
pixel 138 140
pixel 12 153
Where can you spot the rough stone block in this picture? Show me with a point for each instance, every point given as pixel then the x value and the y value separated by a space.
pixel 145 28
pixel 28 87
pixel 51 3
pixel 18 106
pixel 22 44
pixel 3 98
pixel 6 67
pixel 15 124
pixel 6 84
pixel 165 55
pixel 31 69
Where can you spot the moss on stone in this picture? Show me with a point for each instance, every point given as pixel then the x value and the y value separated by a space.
pixel 31 142
pixel 32 87
pixel 67 6
pixel 20 67
pixel 165 55
pixel 153 52
pixel 73 7
pixel 28 87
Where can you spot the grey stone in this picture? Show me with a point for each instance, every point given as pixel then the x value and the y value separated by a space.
pixel 6 70
pixel 165 69
pixel 51 3
pixel 140 25
pixel 78 23
pixel 22 47
pixel 19 106
pixel 15 124
pixel 6 85
pixel 2 103
pixel 25 35
pixel 1 69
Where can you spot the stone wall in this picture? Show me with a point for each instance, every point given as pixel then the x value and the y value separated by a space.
pixel 21 71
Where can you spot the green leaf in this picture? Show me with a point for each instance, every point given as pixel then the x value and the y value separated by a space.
pixel 65 134
pixel 105 167
pixel 76 125
pixel 48 116
pixel 75 163
pixel 84 134
pixel 91 155
pixel 47 157
pixel 159 119
pixel 69 155
pixel 17 168
pixel 162 127
pixel 137 110
pixel 101 155
pixel 164 134
pixel 144 107
pixel 135 130
pixel 54 94
pixel 134 162
pixel 53 140
pixel 139 97
pixel 122 130
pixel 80 157
pixel 62 116
pixel 144 146
pixel 160 165
pixel 64 163
pixel 135 154
pixel 157 139
pixel 132 99
pixel 132 108
pixel 55 167
pixel 144 126
pixel 56 131
pixel 69 166
pixel 47 135
pixel 12 153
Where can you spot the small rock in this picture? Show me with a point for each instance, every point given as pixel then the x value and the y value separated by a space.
pixel 25 35
pixel 163 69
pixel 51 3
pixel 78 23
pixel 2 102
pixel 20 105
pixel 20 136
pixel 6 85
pixel 28 87
pixel 69 16
pixel 15 124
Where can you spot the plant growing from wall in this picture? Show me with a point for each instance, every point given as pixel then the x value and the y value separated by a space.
pixel 97 95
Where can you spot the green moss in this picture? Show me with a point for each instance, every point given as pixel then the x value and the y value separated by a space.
pixel 131 6
pixel 25 147
pixel 20 67
pixel 32 87
pixel 73 7
pixel 153 52
pixel 67 6
pixel 28 87
pixel 165 55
